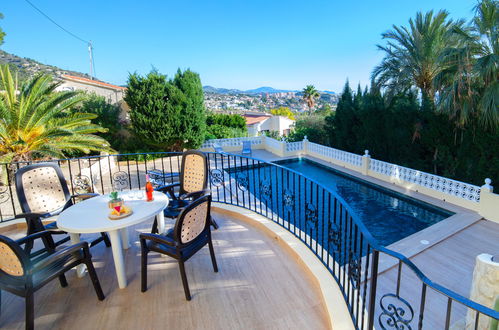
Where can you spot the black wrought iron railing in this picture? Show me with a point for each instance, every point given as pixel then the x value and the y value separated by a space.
pixel 399 298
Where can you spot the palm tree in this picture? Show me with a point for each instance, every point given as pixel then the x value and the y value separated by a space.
pixel 2 34
pixel 310 94
pixel 36 122
pixel 469 84
pixel 413 54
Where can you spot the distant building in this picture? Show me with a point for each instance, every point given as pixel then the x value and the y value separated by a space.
pixel 113 94
pixel 258 123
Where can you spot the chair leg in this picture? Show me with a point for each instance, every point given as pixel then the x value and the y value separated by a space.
pixel 95 280
pixel 143 269
pixel 214 223
pixel 28 247
pixel 63 281
pixel 154 229
pixel 184 280
pixel 30 311
pixel 106 239
pixel 212 254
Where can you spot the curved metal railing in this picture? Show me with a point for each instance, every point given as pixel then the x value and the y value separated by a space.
pixel 400 298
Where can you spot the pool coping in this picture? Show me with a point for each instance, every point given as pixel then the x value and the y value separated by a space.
pixel 411 245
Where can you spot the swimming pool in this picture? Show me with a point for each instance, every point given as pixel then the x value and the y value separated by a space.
pixel 388 215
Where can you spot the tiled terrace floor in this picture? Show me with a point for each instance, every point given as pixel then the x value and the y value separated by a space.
pixel 449 263
pixel 259 286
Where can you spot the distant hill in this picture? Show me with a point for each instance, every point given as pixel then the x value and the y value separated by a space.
pixel 260 90
pixel 26 68
pixel 214 90
pixel 269 90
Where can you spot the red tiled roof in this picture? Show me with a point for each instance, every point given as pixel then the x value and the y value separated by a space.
pixel 253 119
pixel 93 82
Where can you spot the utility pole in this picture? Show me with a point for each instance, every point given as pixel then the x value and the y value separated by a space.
pixel 90 54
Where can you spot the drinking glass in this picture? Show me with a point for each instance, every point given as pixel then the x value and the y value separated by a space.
pixel 139 194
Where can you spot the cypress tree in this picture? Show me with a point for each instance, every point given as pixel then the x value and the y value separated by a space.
pixel 167 115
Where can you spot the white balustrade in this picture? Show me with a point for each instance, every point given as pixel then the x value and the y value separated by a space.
pixel 444 185
pixel 294 146
pixel 232 142
pixel 336 154
pixel 273 143
pixel 448 186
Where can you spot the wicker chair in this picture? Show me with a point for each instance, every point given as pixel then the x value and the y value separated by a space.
pixel 191 233
pixel 43 193
pixel 22 276
pixel 193 184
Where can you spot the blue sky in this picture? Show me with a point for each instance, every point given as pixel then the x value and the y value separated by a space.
pixel 233 44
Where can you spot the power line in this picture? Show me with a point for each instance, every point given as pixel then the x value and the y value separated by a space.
pixel 89 43
pixel 58 25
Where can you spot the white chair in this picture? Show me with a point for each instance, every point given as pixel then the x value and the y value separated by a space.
pixel 218 148
pixel 246 148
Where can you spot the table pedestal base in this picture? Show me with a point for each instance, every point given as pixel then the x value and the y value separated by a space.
pixel 80 269
pixel 119 262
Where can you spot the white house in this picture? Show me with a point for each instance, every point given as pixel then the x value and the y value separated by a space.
pixel 113 94
pixel 258 123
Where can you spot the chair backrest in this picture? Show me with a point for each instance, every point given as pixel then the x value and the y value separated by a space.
pixel 13 260
pixel 193 221
pixel 41 188
pixel 194 175
pixel 246 146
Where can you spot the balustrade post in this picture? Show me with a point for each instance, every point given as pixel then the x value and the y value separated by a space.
pixel 489 202
pixel 366 161
pixel 264 143
pixel 305 145
pixel 283 148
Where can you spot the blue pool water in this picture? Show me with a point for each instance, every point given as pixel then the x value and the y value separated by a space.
pixel 388 215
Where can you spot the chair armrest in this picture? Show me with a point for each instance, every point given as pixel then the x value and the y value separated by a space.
pixel 71 199
pixel 195 194
pixel 156 238
pixel 169 189
pixel 32 237
pixel 61 254
pixel 85 196
pixel 32 215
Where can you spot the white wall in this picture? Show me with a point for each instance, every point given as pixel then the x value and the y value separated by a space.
pixel 112 96
pixel 274 123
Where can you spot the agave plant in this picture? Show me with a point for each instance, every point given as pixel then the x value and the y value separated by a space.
pixel 36 122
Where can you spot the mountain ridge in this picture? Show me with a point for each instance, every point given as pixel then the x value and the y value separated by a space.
pixel 259 90
pixel 26 67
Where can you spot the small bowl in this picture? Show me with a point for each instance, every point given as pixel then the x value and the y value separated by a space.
pixel 115 202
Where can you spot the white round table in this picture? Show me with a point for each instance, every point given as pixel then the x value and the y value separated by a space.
pixel 91 216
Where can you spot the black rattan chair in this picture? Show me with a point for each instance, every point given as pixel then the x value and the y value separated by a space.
pixel 191 233
pixel 193 184
pixel 43 193
pixel 22 276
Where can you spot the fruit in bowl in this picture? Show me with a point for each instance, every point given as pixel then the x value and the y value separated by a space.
pixel 114 200
pixel 120 210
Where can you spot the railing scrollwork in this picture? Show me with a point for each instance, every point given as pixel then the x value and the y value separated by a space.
pixel 120 180
pixel 216 177
pixel 396 313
